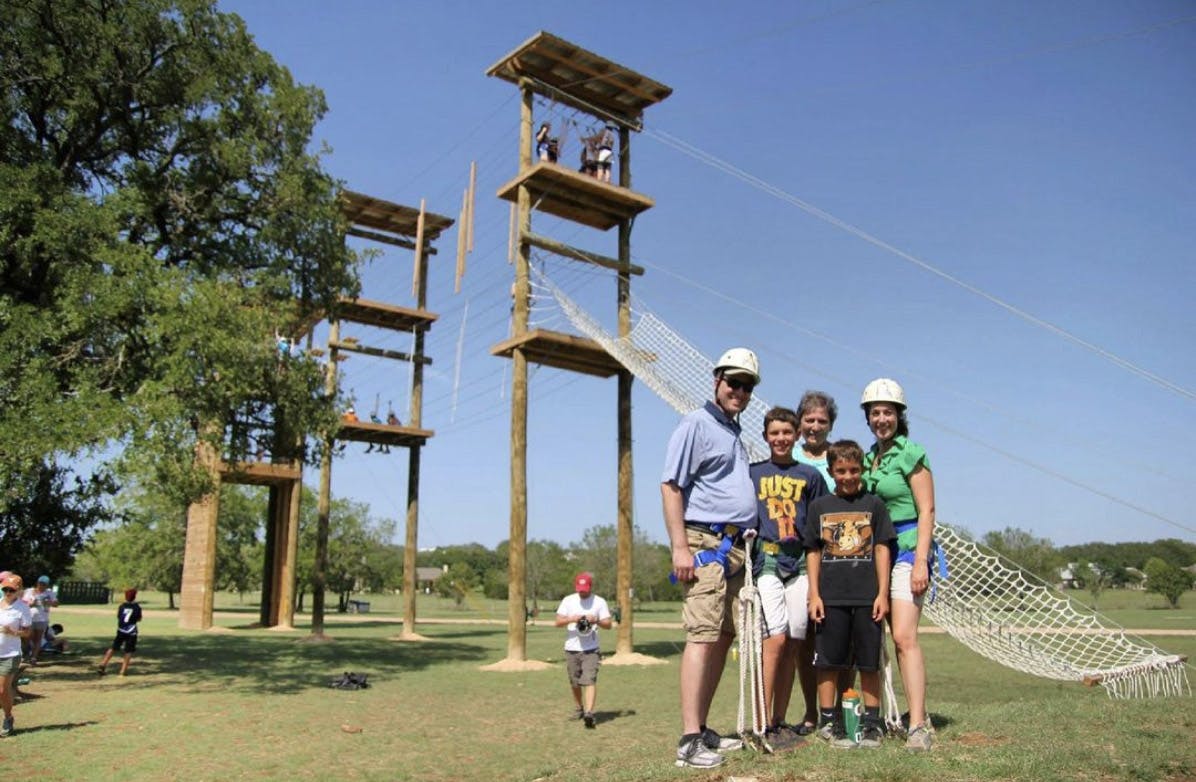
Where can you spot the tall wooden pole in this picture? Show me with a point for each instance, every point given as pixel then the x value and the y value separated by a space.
pixel 324 505
pixel 517 566
pixel 626 529
pixel 415 418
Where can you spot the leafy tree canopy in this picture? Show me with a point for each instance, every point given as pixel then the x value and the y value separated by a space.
pixel 160 218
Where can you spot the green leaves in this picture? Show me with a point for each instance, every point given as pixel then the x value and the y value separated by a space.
pixel 161 218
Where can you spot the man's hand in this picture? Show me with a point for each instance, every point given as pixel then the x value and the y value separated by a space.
pixel 683 564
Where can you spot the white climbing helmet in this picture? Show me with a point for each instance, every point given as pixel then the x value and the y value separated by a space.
pixel 738 361
pixel 882 389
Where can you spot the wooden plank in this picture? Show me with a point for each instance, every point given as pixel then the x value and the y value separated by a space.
pixel 258 473
pixel 574 196
pixel 419 258
pixel 562 351
pixel 577 254
pixel 383 434
pixel 473 188
pixel 379 352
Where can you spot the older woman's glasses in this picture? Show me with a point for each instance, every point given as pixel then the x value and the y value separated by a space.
pixel 8 590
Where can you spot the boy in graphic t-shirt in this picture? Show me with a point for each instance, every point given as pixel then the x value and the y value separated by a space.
pixel 847 539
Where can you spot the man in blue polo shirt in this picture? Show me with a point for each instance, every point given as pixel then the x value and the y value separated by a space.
pixel 709 501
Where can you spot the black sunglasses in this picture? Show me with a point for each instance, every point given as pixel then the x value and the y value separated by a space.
pixel 739 385
pixel 9 590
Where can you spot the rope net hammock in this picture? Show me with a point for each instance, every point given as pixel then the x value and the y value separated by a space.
pixel 995 609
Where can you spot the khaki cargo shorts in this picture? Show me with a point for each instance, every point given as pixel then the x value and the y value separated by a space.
pixel 711 602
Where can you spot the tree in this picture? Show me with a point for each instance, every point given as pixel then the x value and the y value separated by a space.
pixel 161 217
pixel 458 582
pixel 1164 578
pixel 146 549
pixel 44 522
pixel 1094 576
pixel 1032 554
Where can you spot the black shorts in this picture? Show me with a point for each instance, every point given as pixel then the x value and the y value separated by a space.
pixel 846 632
pixel 127 640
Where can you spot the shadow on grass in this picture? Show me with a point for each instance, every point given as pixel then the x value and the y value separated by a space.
pixel 662 649
pixel 271 664
pixel 60 726
pixel 610 716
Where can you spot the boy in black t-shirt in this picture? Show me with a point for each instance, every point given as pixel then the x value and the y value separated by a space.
pixel 847 540
pixel 127 617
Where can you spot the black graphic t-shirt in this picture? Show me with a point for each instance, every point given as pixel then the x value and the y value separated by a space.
pixel 847 530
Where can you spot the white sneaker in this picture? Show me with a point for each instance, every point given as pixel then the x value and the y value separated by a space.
pixel 919 738
pixel 694 754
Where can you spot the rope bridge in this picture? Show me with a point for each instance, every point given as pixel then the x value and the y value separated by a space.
pixel 996 610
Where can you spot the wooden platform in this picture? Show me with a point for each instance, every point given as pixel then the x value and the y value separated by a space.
pixel 384 316
pixel 386 216
pixel 579 78
pixel 382 434
pixel 258 473
pixel 574 196
pixel 563 351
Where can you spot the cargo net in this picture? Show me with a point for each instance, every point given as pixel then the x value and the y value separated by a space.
pixel 995 609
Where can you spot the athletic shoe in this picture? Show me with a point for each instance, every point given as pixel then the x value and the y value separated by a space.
pixel 826 731
pixel 589 719
pixel 100 670
pixel 919 738
pixel 694 754
pixel 782 739
pixel 871 737
pixel 578 713
pixel 6 728
pixel 720 743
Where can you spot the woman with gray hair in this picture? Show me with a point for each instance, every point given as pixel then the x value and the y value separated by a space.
pixel 816 413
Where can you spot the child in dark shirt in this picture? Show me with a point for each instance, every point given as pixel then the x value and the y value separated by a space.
pixel 127 617
pixel 847 540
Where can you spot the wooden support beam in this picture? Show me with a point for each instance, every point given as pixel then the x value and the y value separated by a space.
pixel 417 277
pixel 384 239
pixel 553 246
pixel 473 186
pixel 398 355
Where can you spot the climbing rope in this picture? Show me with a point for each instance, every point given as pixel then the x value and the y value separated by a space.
pixel 751 661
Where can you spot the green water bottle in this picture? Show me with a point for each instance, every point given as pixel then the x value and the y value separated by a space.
pixel 853 710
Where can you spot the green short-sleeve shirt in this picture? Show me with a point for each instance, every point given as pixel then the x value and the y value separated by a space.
pixel 889 480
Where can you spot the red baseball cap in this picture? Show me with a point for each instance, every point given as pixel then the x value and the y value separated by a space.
pixel 583 581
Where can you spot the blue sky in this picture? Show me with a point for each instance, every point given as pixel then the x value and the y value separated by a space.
pixel 1039 152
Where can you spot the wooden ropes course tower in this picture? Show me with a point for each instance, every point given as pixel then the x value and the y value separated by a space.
pixel 616 97
pixel 378 221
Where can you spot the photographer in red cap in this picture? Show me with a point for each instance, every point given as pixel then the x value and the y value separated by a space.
pixel 583 613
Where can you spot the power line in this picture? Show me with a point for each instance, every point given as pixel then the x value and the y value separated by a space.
pixel 719 164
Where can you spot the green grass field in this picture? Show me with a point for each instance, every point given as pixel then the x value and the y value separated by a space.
pixel 242 703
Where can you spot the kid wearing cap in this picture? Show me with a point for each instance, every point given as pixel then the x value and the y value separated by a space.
pixel 583 613
pixel 40 599
pixel 15 626
pixel 127 617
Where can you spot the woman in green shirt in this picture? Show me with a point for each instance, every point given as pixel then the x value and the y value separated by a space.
pixel 898 471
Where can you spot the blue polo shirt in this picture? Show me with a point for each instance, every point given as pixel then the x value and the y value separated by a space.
pixel 709 463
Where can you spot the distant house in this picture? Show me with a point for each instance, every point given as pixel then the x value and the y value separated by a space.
pixel 425 577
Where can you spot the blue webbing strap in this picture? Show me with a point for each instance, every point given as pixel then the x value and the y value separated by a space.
pixel 937 554
pixel 730 533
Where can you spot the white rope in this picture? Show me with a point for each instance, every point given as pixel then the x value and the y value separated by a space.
pixel 994 609
pixel 751 660
pixel 892 712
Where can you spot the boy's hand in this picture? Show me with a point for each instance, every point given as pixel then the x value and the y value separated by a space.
pixel 880 608
pixel 817 612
